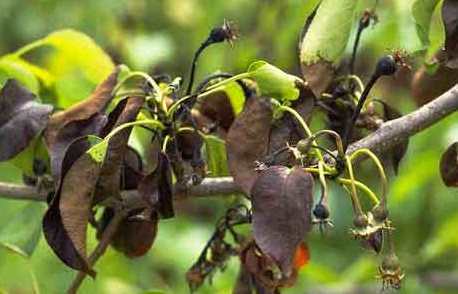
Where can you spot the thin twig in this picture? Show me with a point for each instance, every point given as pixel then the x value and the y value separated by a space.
pixel 100 249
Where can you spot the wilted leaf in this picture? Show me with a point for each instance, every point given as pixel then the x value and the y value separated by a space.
pixel 110 174
pixel 449 166
pixel 85 118
pixel 22 233
pixel 450 18
pixel 282 201
pixel 65 222
pixel 156 188
pixel 325 41
pixel 135 234
pixel 422 11
pixel 247 141
pixel 426 87
pixel 273 82
pixel 21 120
pixel 399 150
pixel 132 170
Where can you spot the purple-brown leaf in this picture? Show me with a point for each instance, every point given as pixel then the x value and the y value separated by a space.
pixel 247 141
pixel 282 200
pixel 21 119
pixel 84 118
pixel 65 222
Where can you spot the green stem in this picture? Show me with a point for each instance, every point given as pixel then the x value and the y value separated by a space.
pixel 365 151
pixel 354 195
pixel 244 75
pixel 133 74
pixel 324 191
pixel 152 122
pixel 362 187
pixel 29 47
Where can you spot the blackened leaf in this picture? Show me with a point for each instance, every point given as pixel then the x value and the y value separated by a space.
pixel 218 108
pixel 449 166
pixel 399 150
pixel 450 18
pixel 247 141
pixel 282 200
pixel 156 188
pixel 65 222
pixel 110 174
pixel 21 119
pixel 22 233
pixel 134 237
pixel 84 118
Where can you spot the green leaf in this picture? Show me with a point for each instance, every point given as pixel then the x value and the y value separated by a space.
pixel 422 11
pixel 77 63
pixel 215 151
pixel 22 233
pixel 329 31
pixel 13 68
pixel 236 96
pixel 98 149
pixel 273 82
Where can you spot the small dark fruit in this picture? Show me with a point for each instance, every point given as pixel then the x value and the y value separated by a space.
pixel 386 66
pixel 321 211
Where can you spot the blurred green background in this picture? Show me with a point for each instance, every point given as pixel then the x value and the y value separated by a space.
pixel 160 36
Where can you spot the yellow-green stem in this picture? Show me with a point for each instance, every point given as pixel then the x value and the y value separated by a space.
pixel 354 195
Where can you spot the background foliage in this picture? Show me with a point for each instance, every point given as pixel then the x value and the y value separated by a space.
pixel 160 36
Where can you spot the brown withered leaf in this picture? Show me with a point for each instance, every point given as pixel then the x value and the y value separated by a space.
pixel 21 119
pixel 65 222
pixel 132 170
pixel 247 141
pixel 218 108
pixel 134 237
pixel 449 166
pixel 156 188
pixel 450 19
pixel 318 76
pixel 399 150
pixel 426 87
pixel 282 199
pixel 110 175
pixel 84 118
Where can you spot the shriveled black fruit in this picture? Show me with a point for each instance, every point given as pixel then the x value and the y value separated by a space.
pixel 321 211
pixel 386 66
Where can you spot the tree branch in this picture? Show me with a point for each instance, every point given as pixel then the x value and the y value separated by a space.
pixel 387 136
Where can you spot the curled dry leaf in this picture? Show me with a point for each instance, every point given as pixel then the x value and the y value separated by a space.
pixel 84 118
pixel 282 199
pixel 449 166
pixel 156 188
pixel 21 119
pixel 450 18
pixel 247 141
pixel 426 87
pixel 135 234
pixel 132 170
pixel 65 222
pixel 110 174
pixel 218 109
